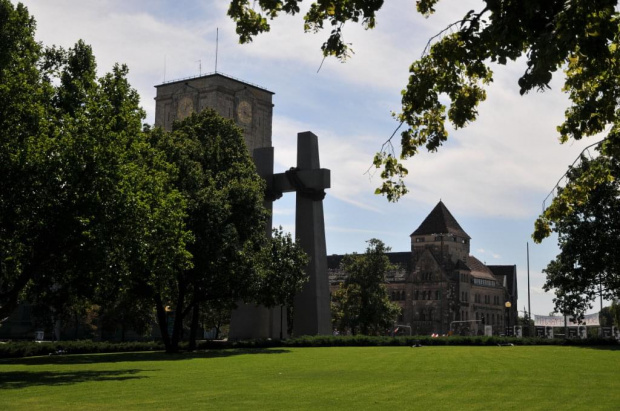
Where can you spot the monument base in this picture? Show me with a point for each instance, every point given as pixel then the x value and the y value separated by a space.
pixel 250 321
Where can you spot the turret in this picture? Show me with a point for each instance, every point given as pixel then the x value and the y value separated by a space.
pixel 442 234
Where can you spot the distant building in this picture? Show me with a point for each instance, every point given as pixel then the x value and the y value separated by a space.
pixel 441 287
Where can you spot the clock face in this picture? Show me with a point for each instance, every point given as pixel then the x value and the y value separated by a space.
pixel 244 112
pixel 185 107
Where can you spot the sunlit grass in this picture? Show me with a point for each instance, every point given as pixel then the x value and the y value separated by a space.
pixel 399 378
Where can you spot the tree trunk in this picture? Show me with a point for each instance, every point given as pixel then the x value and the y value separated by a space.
pixel 178 320
pixel 9 301
pixel 290 314
pixel 194 327
pixel 77 325
pixel 162 321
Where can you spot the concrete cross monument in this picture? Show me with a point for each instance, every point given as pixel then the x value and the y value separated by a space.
pixel 251 107
pixel 308 181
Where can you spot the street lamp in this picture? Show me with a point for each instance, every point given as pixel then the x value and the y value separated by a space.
pixel 507 305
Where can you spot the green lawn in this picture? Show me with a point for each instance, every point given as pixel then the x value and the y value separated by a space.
pixel 359 378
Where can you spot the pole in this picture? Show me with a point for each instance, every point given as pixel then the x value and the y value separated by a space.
pixel 529 304
pixel 281 307
pixel 441 306
pixel 217 40
pixel 600 293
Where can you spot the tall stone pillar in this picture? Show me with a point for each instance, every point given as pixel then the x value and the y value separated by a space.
pixel 312 305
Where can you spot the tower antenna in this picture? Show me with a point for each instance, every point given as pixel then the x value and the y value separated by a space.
pixel 217 40
pixel 199 67
pixel 164 68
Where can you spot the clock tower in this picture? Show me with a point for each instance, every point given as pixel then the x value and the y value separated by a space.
pixel 249 105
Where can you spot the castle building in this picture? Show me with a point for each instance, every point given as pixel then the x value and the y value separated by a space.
pixel 440 287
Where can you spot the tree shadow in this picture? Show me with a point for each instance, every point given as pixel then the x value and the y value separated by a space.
pixel 139 356
pixel 22 379
pixel 600 347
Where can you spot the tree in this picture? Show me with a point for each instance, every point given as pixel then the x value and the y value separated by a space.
pixel 448 82
pixel 86 202
pixel 22 163
pixel 224 213
pixel 284 274
pixel 588 264
pixel 361 303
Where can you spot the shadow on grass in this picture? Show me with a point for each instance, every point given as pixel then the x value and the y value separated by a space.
pixel 139 356
pixel 600 347
pixel 22 379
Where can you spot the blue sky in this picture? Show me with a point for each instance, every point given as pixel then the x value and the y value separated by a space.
pixel 493 175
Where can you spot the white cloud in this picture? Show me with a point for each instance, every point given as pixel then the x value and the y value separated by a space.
pixel 284 212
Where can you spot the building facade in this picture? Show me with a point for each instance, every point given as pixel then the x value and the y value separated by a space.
pixel 250 106
pixel 443 289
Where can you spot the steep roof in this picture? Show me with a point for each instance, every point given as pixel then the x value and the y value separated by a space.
pixel 478 269
pixel 440 221
pixel 508 271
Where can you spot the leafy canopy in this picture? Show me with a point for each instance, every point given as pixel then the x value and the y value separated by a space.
pixel 85 201
pixel 588 264
pixel 362 304
pixel 449 81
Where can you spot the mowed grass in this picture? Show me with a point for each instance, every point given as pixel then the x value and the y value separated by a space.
pixel 338 378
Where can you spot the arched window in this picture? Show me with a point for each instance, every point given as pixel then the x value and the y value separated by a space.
pixel 393 296
pixel 403 296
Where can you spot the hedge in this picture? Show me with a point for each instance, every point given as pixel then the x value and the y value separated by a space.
pixel 29 349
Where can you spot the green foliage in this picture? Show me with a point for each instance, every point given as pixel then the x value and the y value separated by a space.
pixel 30 349
pixel 87 205
pixel 588 232
pixel 224 213
pixel 284 273
pixel 335 13
pixel 84 200
pixel 449 81
pixel 362 304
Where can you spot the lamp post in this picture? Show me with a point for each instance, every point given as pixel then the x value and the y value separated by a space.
pixel 507 305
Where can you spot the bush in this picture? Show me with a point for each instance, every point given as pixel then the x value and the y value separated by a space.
pixel 29 349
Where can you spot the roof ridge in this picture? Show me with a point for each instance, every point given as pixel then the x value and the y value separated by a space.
pixel 440 221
